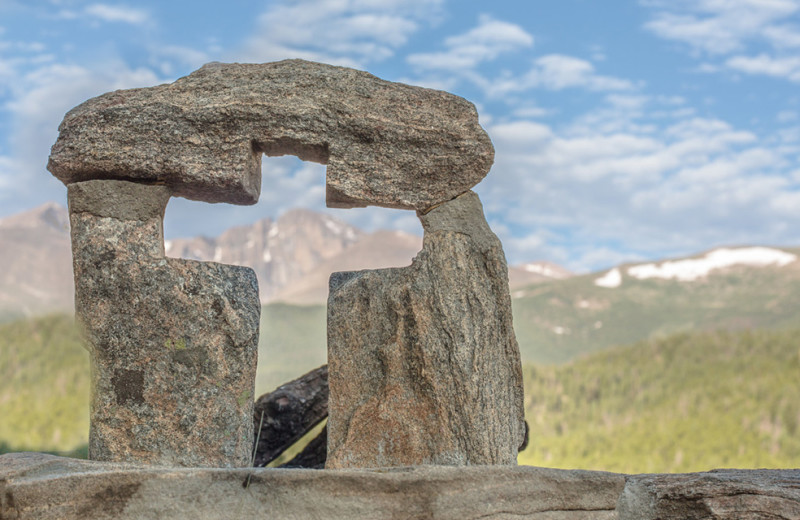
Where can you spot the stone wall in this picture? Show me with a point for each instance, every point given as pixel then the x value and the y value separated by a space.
pixel 44 487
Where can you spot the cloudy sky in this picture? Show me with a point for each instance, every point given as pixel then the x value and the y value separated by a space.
pixel 624 129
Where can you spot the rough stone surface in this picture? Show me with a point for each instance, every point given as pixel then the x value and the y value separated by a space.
pixel 385 144
pixel 289 412
pixel 43 487
pixel 727 494
pixel 173 342
pixel 424 364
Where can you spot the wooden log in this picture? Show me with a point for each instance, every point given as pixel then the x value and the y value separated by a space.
pixel 313 455
pixel 288 413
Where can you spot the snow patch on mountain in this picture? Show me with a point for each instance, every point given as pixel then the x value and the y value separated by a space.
pixel 545 269
pixel 611 279
pixel 334 227
pixel 694 268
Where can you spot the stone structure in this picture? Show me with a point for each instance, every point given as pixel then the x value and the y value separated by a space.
pixel 173 342
pixel 385 144
pixel 424 365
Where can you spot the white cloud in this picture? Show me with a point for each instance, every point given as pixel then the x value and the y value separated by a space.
pixel 734 28
pixel 346 32
pixel 522 136
pixel 720 26
pixel 7 170
pixel 787 203
pixel 485 42
pixel 166 57
pixel 604 257
pixel 67 14
pixel 783 36
pixel 116 13
pixel 6 69
pixel 530 111
pixel 673 188
pixel 787 67
pixel 556 72
pixel 39 100
pixel 530 246
pixel 627 101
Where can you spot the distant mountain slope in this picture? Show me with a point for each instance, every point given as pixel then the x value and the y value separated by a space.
pixel 35 263
pixel 688 402
pixel 292 256
pixel 376 250
pixel 557 322
pixel 280 252
pixel 535 272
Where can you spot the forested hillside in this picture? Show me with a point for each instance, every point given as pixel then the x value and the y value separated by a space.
pixel 44 385
pixel 688 402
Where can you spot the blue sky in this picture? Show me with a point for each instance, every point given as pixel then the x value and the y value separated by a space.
pixel 624 130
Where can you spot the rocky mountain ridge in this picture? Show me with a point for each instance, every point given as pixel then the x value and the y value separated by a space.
pixel 723 289
pixel 35 262
pixel 292 256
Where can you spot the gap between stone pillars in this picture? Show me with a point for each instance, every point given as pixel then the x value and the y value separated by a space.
pixel 173 342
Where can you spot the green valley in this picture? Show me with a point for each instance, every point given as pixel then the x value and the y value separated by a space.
pixel 687 402
pixel 44 385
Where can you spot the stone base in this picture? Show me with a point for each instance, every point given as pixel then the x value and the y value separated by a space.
pixel 34 485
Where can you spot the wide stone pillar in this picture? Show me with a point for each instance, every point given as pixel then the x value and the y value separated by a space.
pixel 424 367
pixel 173 342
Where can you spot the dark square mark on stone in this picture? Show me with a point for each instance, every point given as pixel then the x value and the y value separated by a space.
pixel 128 386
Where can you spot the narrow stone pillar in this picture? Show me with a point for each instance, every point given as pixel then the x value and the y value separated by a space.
pixel 423 363
pixel 173 342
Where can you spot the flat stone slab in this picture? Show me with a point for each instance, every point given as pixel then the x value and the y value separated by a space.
pixel 43 487
pixel 724 494
pixel 385 144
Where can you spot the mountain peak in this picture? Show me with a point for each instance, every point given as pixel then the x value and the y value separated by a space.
pixel 49 215
pixel 290 253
